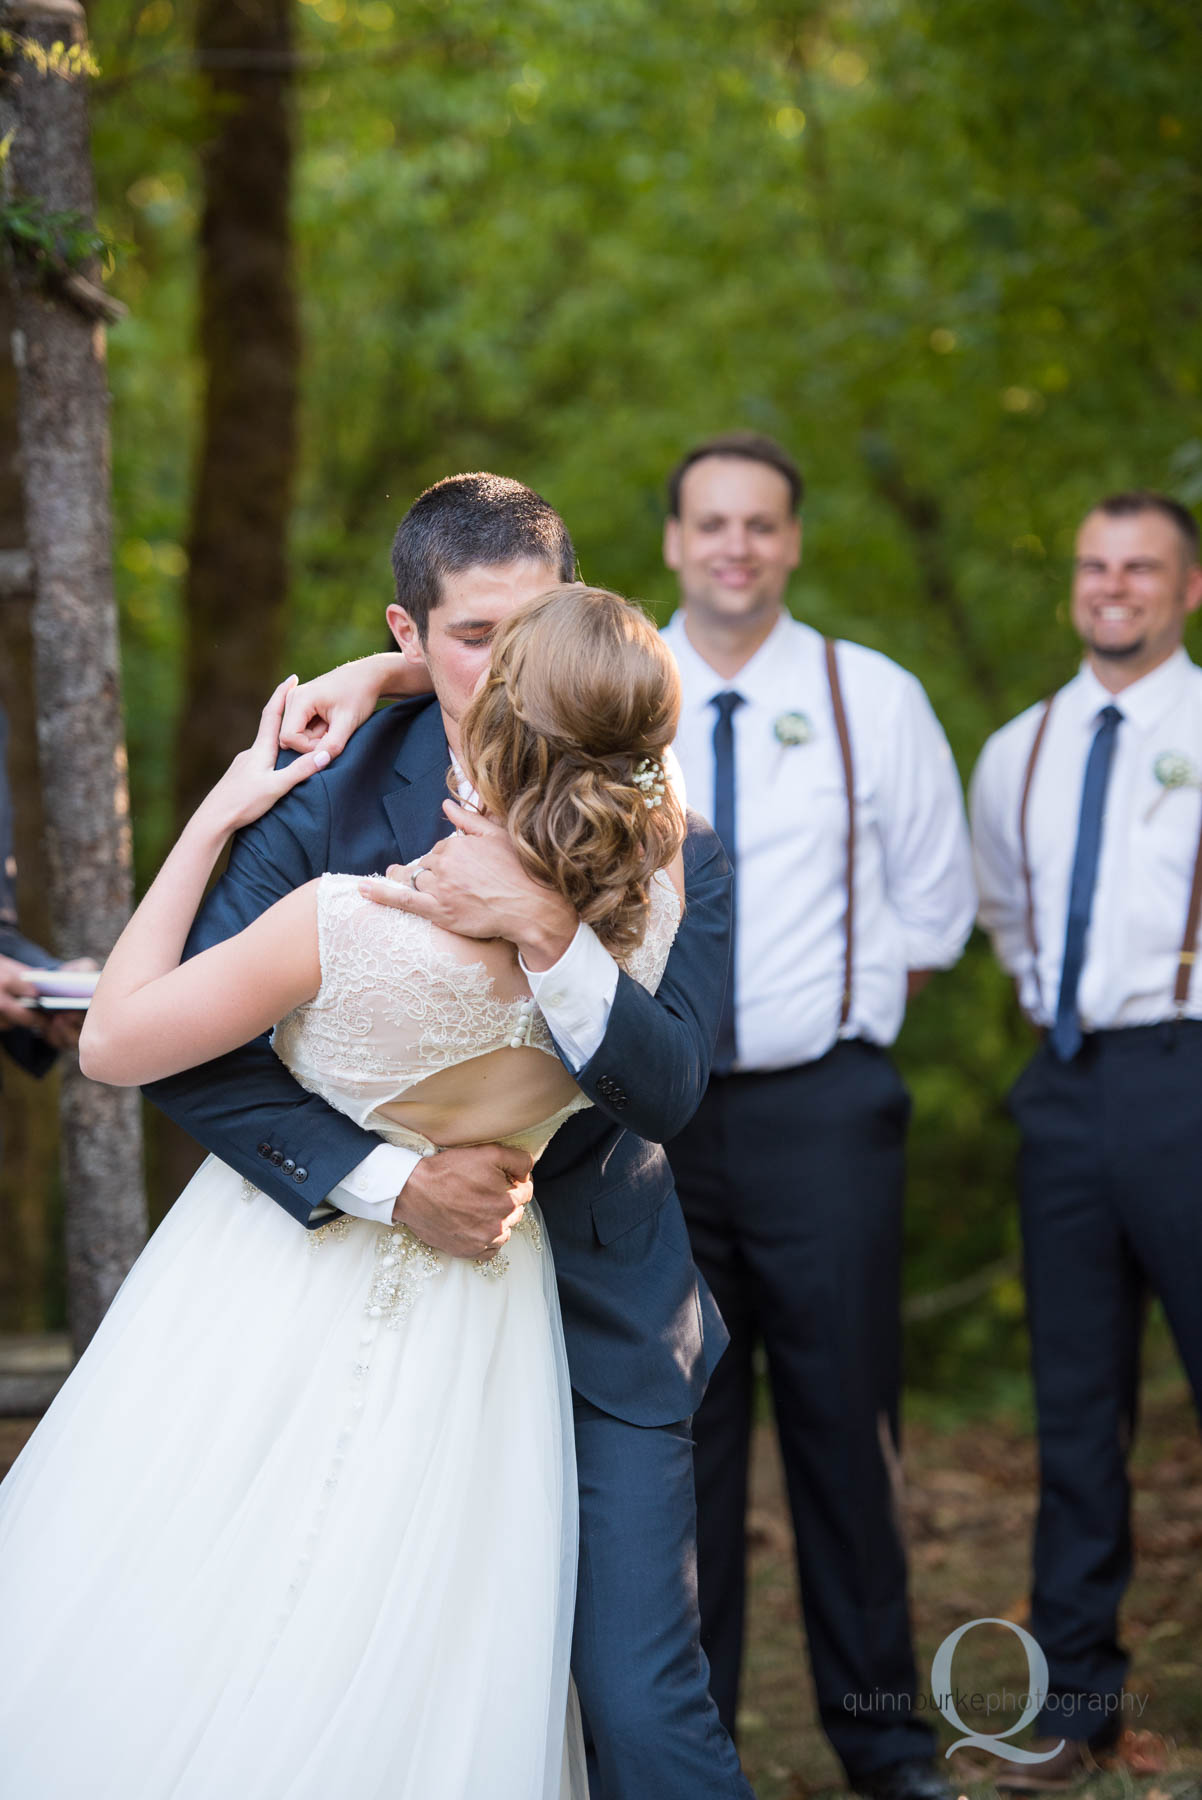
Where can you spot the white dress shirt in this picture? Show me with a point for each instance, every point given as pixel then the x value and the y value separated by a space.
pixel 914 890
pixel 1146 862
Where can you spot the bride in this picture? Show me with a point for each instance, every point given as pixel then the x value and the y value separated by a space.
pixel 302 1522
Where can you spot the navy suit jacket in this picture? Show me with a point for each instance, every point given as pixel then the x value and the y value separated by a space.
pixel 642 1330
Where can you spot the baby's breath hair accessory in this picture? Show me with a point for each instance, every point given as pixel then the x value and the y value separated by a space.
pixel 793 728
pixel 648 777
pixel 1172 769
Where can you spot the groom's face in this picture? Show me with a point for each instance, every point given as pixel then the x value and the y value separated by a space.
pixel 458 640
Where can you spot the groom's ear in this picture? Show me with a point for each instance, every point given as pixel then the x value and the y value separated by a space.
pixel 405 631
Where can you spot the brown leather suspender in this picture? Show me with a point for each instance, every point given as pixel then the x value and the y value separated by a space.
pixel 849 783
pixel 1187 955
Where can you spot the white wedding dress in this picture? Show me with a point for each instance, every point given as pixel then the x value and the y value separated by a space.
pixel 302 1523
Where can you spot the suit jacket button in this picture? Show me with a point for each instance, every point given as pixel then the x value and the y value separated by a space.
pixel 300 1175
pixel 264 1149
pixel 288 1165
pixel 277 1157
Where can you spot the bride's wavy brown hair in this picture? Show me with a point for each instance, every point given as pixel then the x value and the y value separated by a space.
pixel 580 689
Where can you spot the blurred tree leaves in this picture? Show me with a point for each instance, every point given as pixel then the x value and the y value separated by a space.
pixel 949 254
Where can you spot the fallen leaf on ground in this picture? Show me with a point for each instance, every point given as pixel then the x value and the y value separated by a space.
pixel 1144 1753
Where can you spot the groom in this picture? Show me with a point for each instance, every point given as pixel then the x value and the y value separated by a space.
pixel 642 1333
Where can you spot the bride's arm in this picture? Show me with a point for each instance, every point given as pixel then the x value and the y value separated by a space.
pixel 144 1026
pixel 151 1017
pixel 325 713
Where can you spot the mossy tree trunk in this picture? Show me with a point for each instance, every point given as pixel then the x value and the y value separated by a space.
pixel 56 536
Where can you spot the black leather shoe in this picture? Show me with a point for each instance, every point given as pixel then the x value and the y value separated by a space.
pixel 917 1778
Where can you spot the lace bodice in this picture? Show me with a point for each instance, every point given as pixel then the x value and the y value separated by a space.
pixel 401 1003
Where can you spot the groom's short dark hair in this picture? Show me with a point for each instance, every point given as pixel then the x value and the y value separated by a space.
pixel 468 522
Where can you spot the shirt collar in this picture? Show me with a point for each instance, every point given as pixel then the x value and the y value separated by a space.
pixel 464 787
pixel 1146 701
pixel 757 680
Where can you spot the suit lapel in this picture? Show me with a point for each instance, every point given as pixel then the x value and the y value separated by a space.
pixel 414 808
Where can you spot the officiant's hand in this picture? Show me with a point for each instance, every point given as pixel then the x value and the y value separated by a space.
pixel 466 1201
pixel 61 1029
pixel 474 884
pixel 15 986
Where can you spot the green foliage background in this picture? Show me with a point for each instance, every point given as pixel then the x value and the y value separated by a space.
pixel 949 253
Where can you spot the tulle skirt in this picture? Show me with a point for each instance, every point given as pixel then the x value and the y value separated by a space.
pixel 301 1524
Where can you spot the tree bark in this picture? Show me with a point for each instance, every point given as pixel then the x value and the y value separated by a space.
pixel 28 1108
pixel 62 448
pixel 236 591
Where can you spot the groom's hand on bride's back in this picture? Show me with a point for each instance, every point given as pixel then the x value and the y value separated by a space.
pixel 466 1201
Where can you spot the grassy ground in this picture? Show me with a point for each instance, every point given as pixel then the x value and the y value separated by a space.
pixel 970 1502
pixel 969 1510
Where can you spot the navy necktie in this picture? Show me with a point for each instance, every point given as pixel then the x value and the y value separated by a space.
pixel 724 825
pixel 1065 1035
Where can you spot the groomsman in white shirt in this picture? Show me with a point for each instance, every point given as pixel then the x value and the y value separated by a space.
pixel 791 1174
pixel 1087 827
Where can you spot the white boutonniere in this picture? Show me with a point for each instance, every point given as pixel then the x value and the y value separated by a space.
pixel 1173 769
pixel 793 728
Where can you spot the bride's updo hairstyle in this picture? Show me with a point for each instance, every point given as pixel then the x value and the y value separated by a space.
pixel 582 697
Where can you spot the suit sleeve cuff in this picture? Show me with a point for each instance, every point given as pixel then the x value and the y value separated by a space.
pixel 369 1191
pixel 576 995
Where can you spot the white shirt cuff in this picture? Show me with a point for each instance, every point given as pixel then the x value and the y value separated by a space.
pixel 576 994
pixel 369 1191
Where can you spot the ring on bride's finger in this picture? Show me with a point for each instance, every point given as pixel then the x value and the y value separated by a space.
pixel 413 875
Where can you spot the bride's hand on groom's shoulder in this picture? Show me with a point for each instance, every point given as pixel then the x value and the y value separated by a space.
pixel 252 784
pixel 325 713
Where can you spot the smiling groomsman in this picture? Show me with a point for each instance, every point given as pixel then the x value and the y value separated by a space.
pixel 833 789
pixel 1087 826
